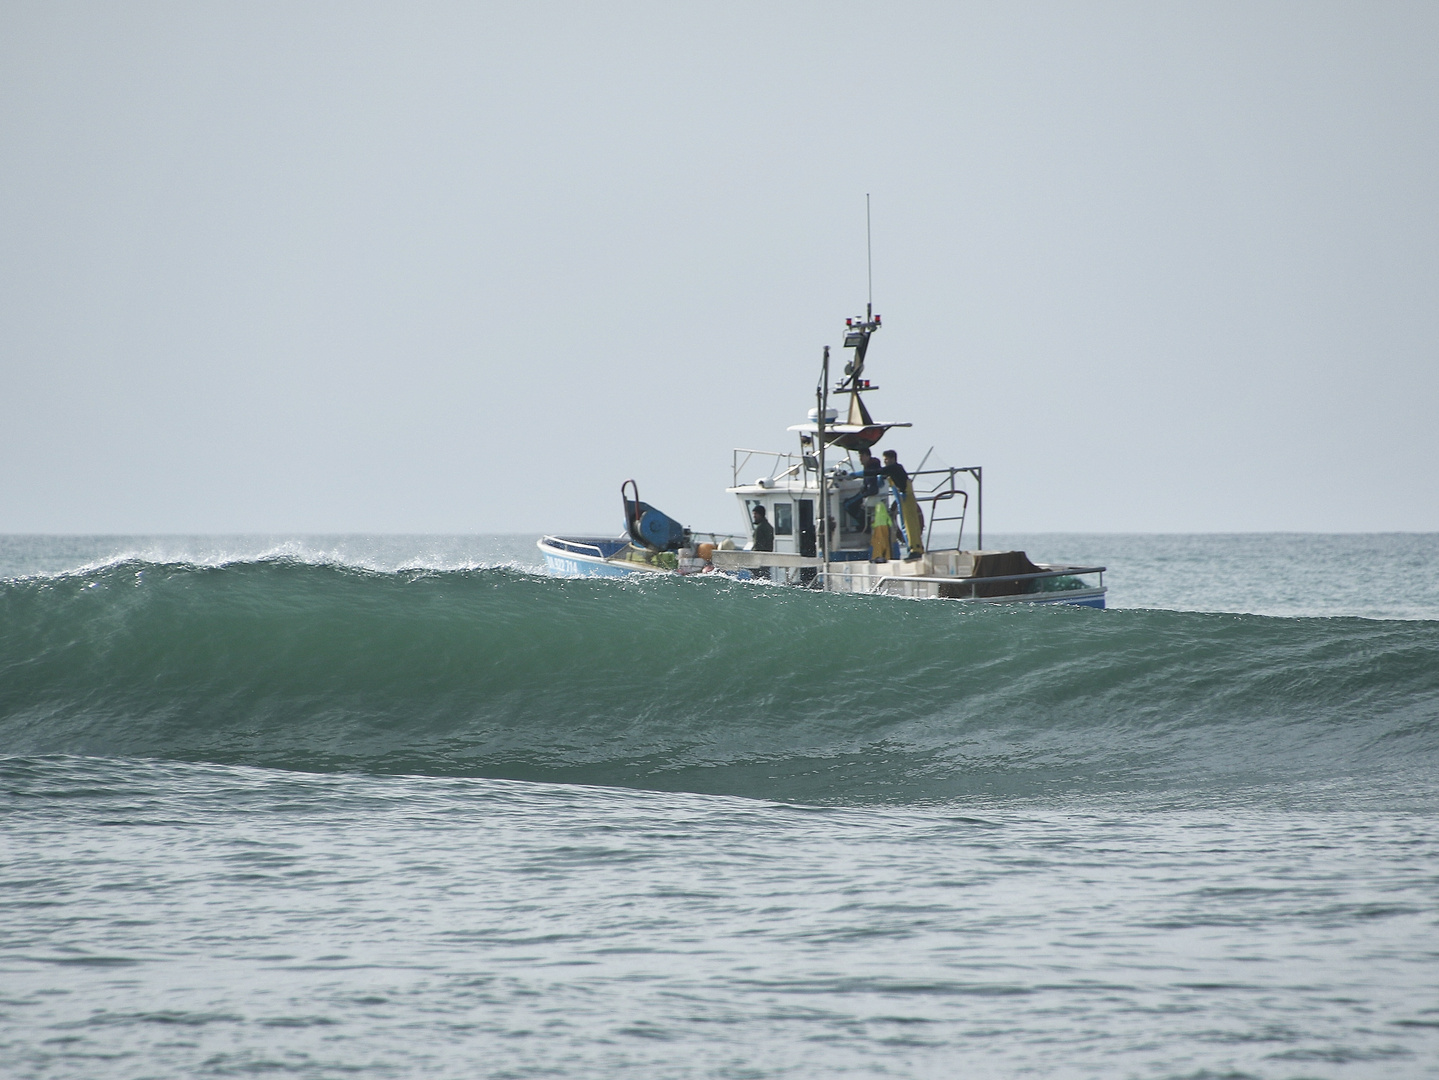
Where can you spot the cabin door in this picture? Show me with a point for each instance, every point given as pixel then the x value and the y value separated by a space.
pixel 806 537
pixel 807 534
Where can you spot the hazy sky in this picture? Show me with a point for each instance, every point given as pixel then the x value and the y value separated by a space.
pixel 427 267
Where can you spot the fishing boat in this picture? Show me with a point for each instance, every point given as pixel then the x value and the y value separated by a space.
pixel 879 530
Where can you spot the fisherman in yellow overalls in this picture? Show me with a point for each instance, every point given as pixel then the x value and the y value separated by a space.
pixel 908 505
pixel 879 541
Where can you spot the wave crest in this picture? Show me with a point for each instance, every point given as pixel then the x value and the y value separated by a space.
pixel 698 685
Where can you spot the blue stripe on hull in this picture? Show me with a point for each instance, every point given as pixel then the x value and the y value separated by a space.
pixel 572 566
pixel 1089 601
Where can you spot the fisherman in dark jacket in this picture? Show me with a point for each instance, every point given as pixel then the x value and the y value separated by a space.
pixel 898 479
pixel 763 538
pixel 854 506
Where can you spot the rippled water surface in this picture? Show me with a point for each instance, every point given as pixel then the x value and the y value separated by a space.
pixel 377 808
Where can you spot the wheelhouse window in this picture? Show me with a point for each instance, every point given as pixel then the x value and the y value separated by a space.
pixel 783 519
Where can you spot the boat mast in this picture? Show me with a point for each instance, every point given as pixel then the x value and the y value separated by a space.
pixel 821 395
pixel 856 336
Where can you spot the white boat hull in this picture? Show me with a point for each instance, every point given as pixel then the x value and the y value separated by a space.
pixel 592 556
pixel 575 557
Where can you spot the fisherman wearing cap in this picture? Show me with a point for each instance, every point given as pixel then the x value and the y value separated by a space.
pixel 855 506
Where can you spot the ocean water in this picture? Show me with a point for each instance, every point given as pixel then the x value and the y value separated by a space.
pixel 404 806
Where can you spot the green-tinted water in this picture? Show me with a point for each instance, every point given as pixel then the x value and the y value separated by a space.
pixel 393 808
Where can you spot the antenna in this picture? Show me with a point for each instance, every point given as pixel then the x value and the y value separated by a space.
pixel 869 259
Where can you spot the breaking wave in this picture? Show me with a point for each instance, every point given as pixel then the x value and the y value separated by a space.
pixel 701 685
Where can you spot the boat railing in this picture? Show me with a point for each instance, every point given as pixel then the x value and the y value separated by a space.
pixel 717 538
pixel 932 486
pixel 945 489
pixel 781 464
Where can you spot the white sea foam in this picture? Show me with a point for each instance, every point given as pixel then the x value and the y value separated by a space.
pixel 65 556
pixel 1377 576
